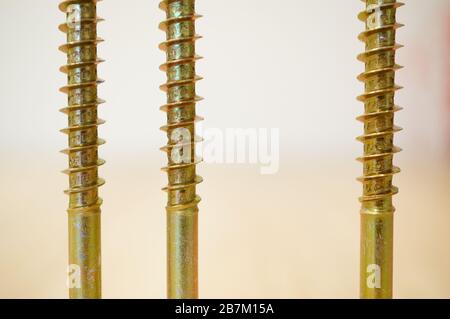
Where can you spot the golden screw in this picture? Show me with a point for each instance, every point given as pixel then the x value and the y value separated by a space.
pixel 182 206
pixel 84 203
pixel 377 211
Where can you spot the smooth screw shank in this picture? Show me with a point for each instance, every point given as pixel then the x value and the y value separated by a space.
pixel 84 202
pixel 377 211
pixel 182 206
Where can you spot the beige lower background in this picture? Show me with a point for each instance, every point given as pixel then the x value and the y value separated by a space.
pixel 290 235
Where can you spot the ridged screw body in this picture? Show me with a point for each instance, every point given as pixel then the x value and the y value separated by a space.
pixel 182 206
pixel 377 212
pixel 84 202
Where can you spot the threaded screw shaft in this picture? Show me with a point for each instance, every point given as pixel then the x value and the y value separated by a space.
pixel 182 206
pixel 84 202
pixel 377 210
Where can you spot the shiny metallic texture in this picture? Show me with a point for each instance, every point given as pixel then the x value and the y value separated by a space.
pixel 84 202
pixel 377 210
pixel 182 205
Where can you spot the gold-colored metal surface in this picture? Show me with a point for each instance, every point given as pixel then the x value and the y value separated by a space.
pixel 182 206
pixel 377 210
pixel 84 202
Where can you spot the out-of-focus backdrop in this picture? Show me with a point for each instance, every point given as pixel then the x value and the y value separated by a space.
pixel 292 66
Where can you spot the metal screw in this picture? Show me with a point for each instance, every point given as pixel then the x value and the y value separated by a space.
pixel 84 203
pixel 377 210
pixel 182 206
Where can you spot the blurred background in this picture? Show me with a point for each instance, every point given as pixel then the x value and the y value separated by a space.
pixel 294 234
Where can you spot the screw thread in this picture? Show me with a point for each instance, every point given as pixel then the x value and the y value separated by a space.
pixel 379 129
pixel 182 206
pixel 84 202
